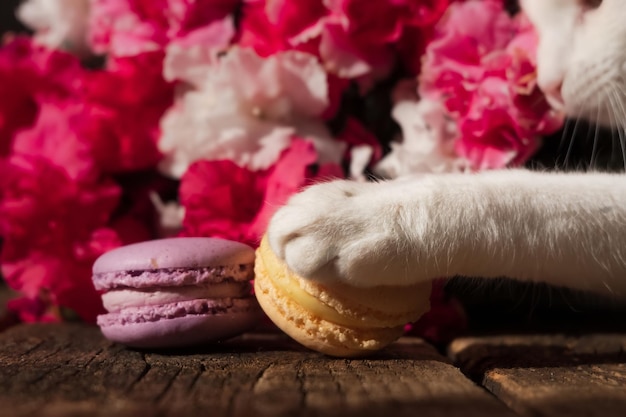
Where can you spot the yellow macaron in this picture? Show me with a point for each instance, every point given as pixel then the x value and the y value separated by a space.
pixel 335 319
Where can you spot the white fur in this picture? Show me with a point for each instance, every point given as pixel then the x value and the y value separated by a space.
pixel 582 56
pixel 563 229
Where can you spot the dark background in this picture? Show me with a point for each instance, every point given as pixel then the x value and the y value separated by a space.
pixel 7 17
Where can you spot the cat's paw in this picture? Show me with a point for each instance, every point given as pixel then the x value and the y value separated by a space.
pixel 348 232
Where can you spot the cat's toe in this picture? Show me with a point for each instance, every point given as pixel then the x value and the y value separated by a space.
pixel 361 234
pixel 287 224
pixel 312 258
pixel 297 236
pixel 307 232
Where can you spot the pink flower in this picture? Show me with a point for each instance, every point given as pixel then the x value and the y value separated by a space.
pixel 470 33
pixel 491 136
pixel 220 199
pixel 481 64
pixel 224 200
pixel 272 26
pixel 50 239
pixel 54 137
pixel 78 126
pixel 30 74
pixel 87 122
pixel 17 110
pixel 354 38
pixel 56 202
pixel 29 310
pixel 122 107
pixel 131 27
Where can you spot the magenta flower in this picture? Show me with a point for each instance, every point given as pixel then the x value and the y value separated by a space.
pixel 131 27
pixel 50 239
pixel 355 39
pixel 240 208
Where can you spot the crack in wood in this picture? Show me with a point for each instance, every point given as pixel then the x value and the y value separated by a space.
pixel 93 358
pixel 169 384
pixel 202 369
pixel 143 373
pixel 553 375
pixel 278 390
pixel 29 350
pixel 300 378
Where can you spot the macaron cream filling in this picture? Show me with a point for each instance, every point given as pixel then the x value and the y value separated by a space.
pixel 145 314
pixel 118 299
pixel 172 277
pixel 289 286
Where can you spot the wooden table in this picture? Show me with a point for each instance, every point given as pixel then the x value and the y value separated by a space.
pixel 69 369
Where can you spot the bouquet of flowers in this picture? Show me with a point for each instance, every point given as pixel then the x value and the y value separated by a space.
pixel 128 120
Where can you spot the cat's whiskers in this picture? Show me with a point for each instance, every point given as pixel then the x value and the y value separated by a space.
pixel 622 123
pixel 570 146
pixel 596 136
pixel 566 128
pixel 617 112
pixel 612 120
pixel 610 112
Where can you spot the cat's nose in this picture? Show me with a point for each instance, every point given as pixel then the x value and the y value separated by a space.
pixel 554 95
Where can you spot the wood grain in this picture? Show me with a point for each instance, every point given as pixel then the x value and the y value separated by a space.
pixel 70 370
pixel 549 375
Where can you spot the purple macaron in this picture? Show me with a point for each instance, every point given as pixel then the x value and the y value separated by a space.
pixel 176 292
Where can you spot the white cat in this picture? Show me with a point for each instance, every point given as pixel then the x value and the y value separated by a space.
pixel 563 229
pixel 582 56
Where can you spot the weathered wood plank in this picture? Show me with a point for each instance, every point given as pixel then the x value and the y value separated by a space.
pixel 548 375
pixel 70 370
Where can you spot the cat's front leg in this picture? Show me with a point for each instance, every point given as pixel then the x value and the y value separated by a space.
pixel 364 234
pixel 567 230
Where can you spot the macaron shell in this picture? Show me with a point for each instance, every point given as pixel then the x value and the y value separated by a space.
pixel 181 331
pixel 388 306
pixel 180 324
pixel 316 333
pixel 337 320
pixel 188 252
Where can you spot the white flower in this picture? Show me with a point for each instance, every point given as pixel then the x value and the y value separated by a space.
pixel 360 157
pixel 428 138
pixel 59 24
pixel 187 58
pixel 247 109
pixel 171 216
